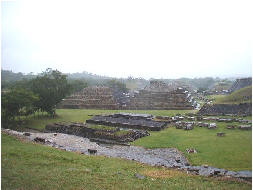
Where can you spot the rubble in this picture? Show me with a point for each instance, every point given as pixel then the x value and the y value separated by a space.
pixel 212 126
pixel 245 127
pixel 220 134
pixel 224 109
pixel 85 130
pixel 231 126
pixel 131 121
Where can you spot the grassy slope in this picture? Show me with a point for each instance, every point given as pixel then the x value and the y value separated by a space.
pixel 240 96
pixel 231 152
pixel 32 166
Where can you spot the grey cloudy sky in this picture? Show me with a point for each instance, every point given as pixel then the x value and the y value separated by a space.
pixel 139 38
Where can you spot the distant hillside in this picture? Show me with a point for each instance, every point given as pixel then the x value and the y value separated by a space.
pixel 222 85
pixel 240 96
pixel 9 77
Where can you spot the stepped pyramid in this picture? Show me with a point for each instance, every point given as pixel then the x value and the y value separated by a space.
pixel 240 83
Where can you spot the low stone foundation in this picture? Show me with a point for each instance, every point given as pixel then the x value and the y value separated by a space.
pixel 130 121
pixel 85 130
pixel 244 109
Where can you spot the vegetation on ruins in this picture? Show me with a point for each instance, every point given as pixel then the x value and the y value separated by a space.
pixel 35 166
pixel 77 85
pixel 116 84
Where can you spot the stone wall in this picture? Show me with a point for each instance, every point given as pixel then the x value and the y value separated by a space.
pixel 157 100
pixel 240 83
pixel 226 109
pixel 130 121
pixel 91 98
pixel 85 130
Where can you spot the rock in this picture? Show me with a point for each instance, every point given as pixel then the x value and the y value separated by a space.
pixel 139 176
pixel 39 139
pixel 55 134
pixel 188 127
pixel 231 127
pixel 27 134
pixel 223 109
pixel 245 127
pixel 212 126
pixel 191 118
pixel 205 125
pixel 221 134
pixel 199 118
pixel 206 172
pixel 92 151
pixel 191 150
pixel 246 175
pixel 243 121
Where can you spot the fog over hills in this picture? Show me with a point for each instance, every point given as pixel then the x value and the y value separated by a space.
pixel 147 39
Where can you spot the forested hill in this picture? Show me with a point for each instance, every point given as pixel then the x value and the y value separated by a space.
pixel 9 77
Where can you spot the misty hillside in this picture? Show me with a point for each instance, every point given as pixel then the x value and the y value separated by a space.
pixel 9 77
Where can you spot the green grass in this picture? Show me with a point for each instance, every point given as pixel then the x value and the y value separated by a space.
pixel 232 152
pixel 243 95
pixel 102 127
pixel 33 166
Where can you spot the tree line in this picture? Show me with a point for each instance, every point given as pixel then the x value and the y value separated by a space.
pixel 39 94
pixel 42 93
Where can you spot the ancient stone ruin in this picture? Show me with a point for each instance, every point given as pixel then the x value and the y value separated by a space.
pixel 244 109
pixel 154 96
pixel 128 120
pixel 100 134
pixel 91 97
pixel 161 100
pixel 240 83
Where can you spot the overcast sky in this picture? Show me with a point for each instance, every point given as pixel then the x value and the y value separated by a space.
pixel 149 38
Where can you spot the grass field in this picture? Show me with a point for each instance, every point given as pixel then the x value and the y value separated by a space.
pixel 233 152
pixel 37 167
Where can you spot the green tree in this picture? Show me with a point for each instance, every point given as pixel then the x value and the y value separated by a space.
pixel 52 87
pixel 77 85
pixel 117 85
pixel 18 102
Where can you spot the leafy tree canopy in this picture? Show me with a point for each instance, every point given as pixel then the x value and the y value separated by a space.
pixel 52 87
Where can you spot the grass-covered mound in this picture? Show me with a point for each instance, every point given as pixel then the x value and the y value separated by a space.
pixel 244 95
pixel 32 166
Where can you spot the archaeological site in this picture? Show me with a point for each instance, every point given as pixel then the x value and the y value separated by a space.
pixel 156 96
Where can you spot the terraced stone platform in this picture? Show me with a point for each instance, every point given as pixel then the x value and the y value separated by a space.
pixel 128 120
